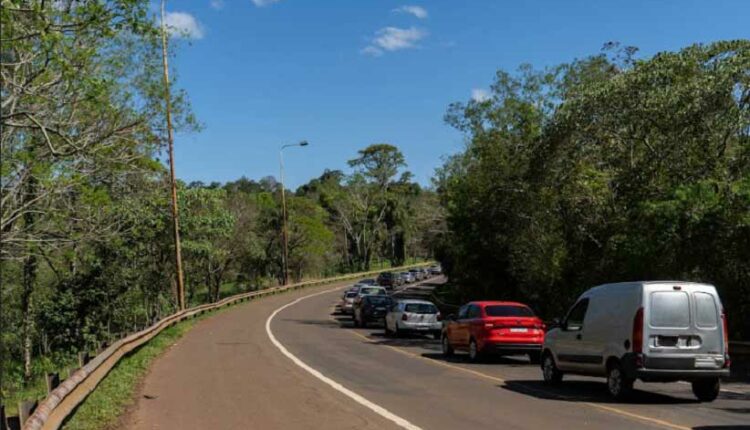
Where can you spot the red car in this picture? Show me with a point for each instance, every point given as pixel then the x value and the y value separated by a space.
pixel 502 328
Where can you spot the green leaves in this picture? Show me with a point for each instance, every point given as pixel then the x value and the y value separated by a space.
pixel 604 169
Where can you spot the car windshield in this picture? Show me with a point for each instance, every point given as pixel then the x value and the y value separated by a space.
pixel 420 308
pixel 508 311
pixel 372 290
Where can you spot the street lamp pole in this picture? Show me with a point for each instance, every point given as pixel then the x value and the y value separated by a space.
pixel 284 236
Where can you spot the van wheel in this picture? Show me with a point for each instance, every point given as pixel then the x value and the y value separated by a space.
pixel 707 390
pixel 475 354
pixel 619 386
pixel 552 375
pixel 447 348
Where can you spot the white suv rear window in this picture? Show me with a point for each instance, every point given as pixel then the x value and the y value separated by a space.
pixel 670 309
pixel 705 311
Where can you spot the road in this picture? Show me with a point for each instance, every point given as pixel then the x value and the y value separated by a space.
pixel 287 362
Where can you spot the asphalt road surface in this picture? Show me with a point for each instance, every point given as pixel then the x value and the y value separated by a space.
pixel 288 362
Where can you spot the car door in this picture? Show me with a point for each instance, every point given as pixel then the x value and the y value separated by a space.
pixel 457 330
pixel 570 348
pixel 473 323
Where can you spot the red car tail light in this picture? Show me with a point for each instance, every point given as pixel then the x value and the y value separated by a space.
pixel 725 326
pixel 638 331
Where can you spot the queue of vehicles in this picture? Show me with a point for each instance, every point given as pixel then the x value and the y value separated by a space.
pixel 663 331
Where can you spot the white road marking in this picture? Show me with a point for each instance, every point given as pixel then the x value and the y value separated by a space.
pixel 401 422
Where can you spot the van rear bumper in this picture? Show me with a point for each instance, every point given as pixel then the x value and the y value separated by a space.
pixel 649 368
pixel 679 375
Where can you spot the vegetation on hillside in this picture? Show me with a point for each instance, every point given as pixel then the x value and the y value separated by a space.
pixel 606 169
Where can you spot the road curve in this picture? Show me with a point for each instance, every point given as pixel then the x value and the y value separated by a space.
pixel 228 373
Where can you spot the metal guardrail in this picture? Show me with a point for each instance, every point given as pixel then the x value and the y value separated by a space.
pixel 62 400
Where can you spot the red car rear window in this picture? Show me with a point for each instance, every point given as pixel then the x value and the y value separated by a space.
pixel 508 311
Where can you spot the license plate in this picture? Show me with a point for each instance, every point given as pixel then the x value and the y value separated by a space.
pixel 519 330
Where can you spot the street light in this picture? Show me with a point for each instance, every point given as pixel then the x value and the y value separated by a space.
pixel 285 255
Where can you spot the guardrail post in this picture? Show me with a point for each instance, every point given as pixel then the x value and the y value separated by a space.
pixel 53 380
pixel 13 423
pixel 83 358
pixel 25 409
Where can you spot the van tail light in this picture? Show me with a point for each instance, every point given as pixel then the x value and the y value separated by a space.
pixel 638 331
pixel 725 326
pixel 439 316
pixel 404 317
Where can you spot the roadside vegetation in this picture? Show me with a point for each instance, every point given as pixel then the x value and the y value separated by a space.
pixel 87 251
pixel 609 168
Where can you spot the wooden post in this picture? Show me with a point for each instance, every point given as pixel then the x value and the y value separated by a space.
pixel 25 409
pixel 170 138
pixel 83 358
pixel 53 380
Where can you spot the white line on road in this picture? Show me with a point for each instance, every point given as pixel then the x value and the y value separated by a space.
pixel 333 384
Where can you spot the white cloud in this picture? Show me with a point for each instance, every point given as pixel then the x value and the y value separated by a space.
pixel 394 39
pixel 261 3
pixel 480 95
pixel 417 11
pixel 182 24
pixel 217 4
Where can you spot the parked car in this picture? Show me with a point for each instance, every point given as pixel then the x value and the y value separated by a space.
pixel 413 316
pixel 371 309
pixel 653 331
pixel 347 302
pixel 389 280
pixel 407 277
pixel 418 275
pixel 370 290
pixel 435 270
pixel 503 328
pixel 425 273
pixel 369 281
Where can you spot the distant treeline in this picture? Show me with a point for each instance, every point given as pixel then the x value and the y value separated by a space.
pixel 609 168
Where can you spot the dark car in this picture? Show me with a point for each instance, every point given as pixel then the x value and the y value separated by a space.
pixel 389 280
pixel 371 309
pixel 368 281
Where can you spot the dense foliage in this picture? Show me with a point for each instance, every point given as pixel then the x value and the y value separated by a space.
pixel 87 251
pixel 606 169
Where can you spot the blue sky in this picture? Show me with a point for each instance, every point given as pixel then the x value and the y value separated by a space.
pixel 343 74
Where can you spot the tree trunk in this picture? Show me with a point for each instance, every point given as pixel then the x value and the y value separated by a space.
pixel 29 279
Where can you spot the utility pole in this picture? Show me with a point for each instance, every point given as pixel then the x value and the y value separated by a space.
pixel 173 183
pixel 284 235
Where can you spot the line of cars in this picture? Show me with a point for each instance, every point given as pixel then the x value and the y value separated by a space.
pixel 663 331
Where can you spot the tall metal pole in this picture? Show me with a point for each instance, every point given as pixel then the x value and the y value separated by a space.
pixel 285 255
pixel 170 136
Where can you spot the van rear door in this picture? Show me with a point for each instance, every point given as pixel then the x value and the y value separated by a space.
pixel 683 329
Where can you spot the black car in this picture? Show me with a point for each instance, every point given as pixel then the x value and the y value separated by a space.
pixel 368 281
pixel 389 280
pixel 371 309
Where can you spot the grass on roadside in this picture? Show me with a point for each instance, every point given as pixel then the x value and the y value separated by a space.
pixel 115 392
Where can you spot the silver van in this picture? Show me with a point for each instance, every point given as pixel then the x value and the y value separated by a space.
pixel 661 331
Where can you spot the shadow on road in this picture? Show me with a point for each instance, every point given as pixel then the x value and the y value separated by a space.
pixel 722 428
pixel 510 361
pixel 588 391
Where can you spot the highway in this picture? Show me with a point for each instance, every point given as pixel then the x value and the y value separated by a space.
pixel 289 362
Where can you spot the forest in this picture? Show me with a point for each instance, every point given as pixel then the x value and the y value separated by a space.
pixel 87 245
pixel 605 169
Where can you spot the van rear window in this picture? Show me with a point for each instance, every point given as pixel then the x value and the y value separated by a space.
pixel 706 315
pixel 670 309
pixel 508 311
